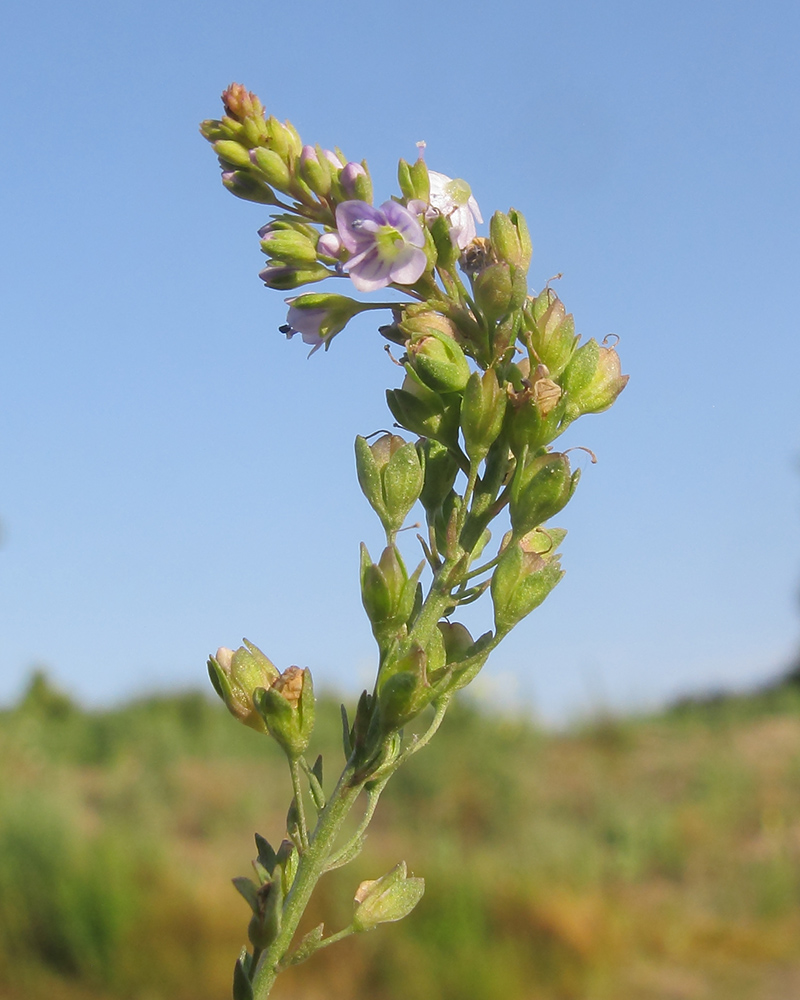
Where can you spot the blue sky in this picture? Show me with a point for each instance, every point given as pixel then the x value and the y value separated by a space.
pixel 177 475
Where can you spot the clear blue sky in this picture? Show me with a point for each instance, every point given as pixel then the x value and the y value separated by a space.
pixel 177 475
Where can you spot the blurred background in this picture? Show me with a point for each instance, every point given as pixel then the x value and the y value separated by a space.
pixel 179 476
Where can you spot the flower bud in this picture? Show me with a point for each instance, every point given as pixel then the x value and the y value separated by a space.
pixel 391 478
pixel 414 181
pixel 511 239
pixel 355 182
pixel 330 245
pixel 389 898
pixel 551 331
pixel 493 289
pixel 526 573
pixel 237 675
pixel 540 489
pixel 592 380
pixel 240 103
pixel 271 166
pixel 315 170
pixel 287 708
pixel 232 153
pixel 248 187
pixel 482 410
pixel 289 246
pixel 286 277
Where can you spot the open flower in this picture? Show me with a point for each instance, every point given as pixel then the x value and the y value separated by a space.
pixel 318 317
pixel 454 200
pixel 385 243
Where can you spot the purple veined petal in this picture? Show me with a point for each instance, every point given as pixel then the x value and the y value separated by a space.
pixel 369 271
pixel 305 321
pixel 409 266
pixel 355 220
pixel 404 222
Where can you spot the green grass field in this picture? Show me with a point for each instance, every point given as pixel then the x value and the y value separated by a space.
pixel 653 858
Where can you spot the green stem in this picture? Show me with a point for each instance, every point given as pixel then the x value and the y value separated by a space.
pixel 297 788
pixel 309 870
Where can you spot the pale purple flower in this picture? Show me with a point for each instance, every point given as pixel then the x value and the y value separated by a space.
pixel 308 323
pixel 319 316
pixel 454 200
pixel 385 243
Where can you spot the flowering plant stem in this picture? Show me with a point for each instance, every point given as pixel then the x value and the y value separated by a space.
pixel 493 376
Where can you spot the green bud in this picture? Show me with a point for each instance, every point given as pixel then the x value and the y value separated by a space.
pixel 550 331
pixel 528 571
pixel 389 898
pixel 237 675
pixel 247 187
pixel 414 181
pixel 540 489
pixel 232 153
pixel 272 167
pixel 286 277
pixel 493 288
pixel 316 170
pixel 592 380
pixel 447 252
pixel 391 478
pixel 482 410
pixel 287 708
pixel 290 246
pixel 362 185
pixel 511 239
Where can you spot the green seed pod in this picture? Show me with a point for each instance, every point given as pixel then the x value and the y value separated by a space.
pixel 287 708
pixel 493 288
pixel 539 490
pixel 511 239
pixel 384 900
pixel 435 356
pixel 551 331
pixel 592 380
pixel 482 410
pixel 441 470
pixel 236 676
pixel 391 478
pixel 524 577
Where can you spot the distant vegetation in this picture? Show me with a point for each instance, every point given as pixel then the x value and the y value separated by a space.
pixel 629 859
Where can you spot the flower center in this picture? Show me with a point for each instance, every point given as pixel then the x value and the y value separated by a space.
pixel 389 242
